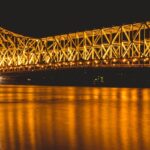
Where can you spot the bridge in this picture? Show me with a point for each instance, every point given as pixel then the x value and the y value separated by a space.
pixel 117 46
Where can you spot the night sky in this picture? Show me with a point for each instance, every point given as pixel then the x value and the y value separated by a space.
pixel 45 18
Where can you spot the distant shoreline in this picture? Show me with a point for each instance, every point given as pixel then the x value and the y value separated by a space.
pixel 102 77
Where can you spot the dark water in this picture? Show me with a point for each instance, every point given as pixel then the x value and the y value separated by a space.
pixel 71 118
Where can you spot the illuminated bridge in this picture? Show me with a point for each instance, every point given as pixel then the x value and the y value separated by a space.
pixel 117 46
pixel 115 56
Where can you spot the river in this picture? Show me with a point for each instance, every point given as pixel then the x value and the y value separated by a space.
pixel 74 118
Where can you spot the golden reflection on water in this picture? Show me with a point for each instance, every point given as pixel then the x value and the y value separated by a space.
pixel 86 118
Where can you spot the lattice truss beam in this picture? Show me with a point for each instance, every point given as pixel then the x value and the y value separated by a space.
pixel 18 50
pixel 117 43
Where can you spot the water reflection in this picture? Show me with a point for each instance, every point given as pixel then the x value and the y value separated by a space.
pixel 86 118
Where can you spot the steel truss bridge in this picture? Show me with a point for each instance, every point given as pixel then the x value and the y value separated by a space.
pixel 117 46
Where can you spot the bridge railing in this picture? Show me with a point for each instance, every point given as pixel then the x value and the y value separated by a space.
pixel 114 63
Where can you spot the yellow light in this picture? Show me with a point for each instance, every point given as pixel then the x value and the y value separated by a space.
pixel 65 63
pixel 128 62
pixel 146 59
pixel 96 61
pixel 80 63
pixel 124 60
pixel 72 63
pixel 105 61
pixel 88 62
pixel 114 60
pixel 59 64
pixel 37 65
pixel 135 60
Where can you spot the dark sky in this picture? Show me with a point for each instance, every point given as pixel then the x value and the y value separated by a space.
pixel 45 18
